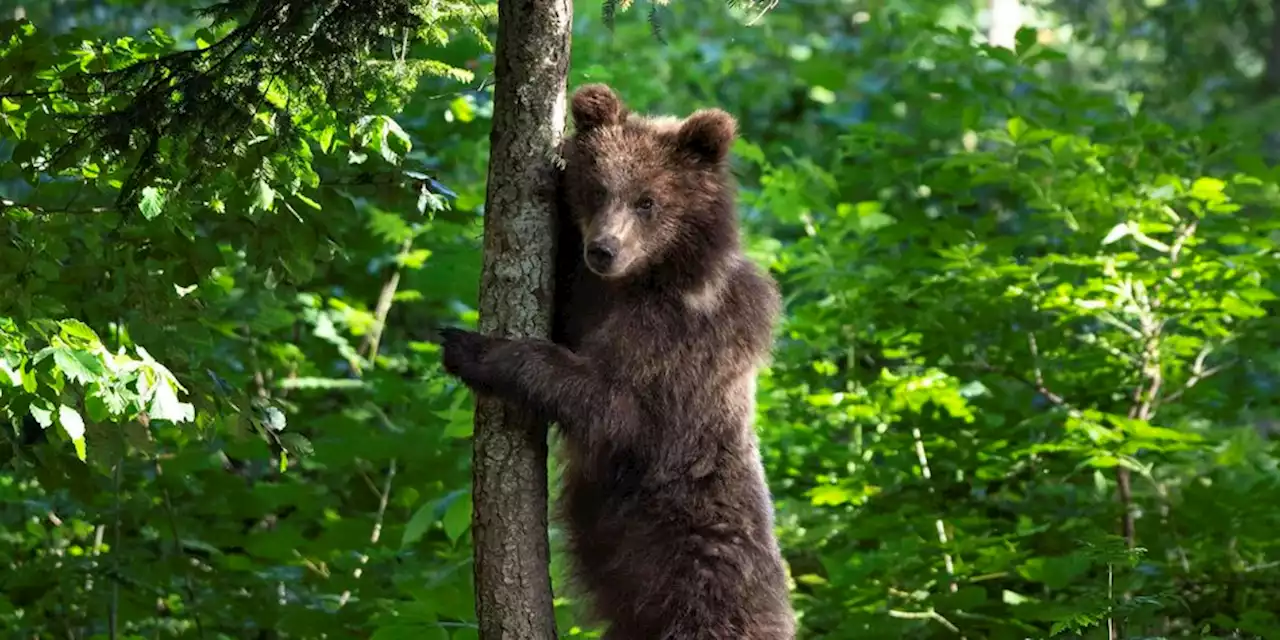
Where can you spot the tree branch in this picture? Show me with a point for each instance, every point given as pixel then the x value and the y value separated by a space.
pixel 369 350
pixel 1146 394
pixel 6 204
pixel 1036 382
pixel 1198 374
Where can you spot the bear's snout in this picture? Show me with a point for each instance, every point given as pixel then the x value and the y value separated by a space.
pixel 601 253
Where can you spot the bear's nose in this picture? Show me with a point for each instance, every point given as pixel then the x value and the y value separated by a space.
pixel 600 253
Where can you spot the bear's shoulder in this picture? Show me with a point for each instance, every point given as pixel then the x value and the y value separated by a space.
pixel 741 290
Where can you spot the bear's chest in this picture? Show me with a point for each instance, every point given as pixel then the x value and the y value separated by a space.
pixel 629 335
pixel 641 342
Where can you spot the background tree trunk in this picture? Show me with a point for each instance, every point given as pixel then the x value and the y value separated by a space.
pixel 1004 21
pixel 513 583
pixel 1273 52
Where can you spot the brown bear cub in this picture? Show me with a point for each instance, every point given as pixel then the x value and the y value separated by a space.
pixel 662 326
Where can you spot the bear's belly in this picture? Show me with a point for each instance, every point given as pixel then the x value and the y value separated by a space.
pixel 640 549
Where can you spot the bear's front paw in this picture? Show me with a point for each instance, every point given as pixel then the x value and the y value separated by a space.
pixel 464 355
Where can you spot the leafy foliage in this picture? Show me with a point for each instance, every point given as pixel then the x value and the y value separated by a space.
pixel 1025 387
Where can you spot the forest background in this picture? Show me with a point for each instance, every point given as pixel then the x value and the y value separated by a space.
pixel 1026 385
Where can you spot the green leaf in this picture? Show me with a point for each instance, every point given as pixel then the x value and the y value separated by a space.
pixel 1235 306
pixel 97 407
pixel 1133 102
pixel 822 95
pixel 460 422
pixel 1025 39
pixel 308 201
pixel 297 444
pixel 750 152
pixel 457 518
pixel 264 197
pixel 829 495
pixel 1256 294
pixel 391 141
pixel 78 366
pixel 1103 462
pixel 868 214
pixel 326 138
pixel 413 259
pixel 29 383
pixel 72 328
pixel 1107 461
pixel 1016 127
pixel 462 109
pixel 418 524
pixel 1207 189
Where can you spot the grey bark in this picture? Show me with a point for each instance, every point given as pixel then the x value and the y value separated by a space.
pixel 513 583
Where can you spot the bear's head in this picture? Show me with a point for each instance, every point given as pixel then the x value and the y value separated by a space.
pixel 650 195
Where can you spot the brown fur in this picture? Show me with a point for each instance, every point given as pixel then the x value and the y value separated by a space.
pixel 653 382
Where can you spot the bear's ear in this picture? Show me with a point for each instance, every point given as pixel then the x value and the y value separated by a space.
pixel 708 134
pixel 596 105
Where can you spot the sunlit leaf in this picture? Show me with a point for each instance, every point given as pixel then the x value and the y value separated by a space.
pixel 71 422
pixel 264 196
pixel 1117 233
pixel 151 203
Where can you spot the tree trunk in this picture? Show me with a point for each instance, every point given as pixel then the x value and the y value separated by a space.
pixel 513 582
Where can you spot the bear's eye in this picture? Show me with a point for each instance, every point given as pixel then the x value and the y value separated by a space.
pixel 645 204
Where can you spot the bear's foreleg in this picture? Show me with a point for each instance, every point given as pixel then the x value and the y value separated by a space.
pixel 547 377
